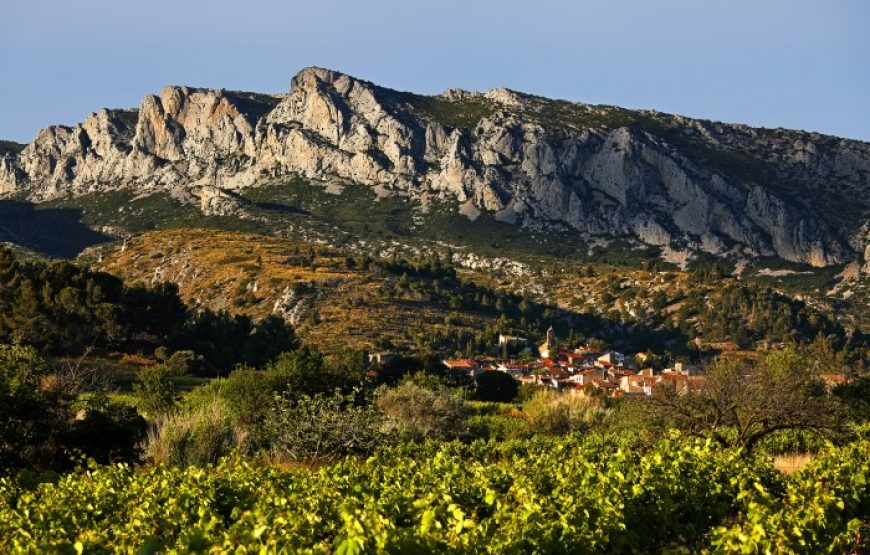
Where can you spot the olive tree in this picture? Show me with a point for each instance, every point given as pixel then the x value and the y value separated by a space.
pixel 741 402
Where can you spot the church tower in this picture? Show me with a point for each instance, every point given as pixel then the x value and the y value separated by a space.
pixel 548 347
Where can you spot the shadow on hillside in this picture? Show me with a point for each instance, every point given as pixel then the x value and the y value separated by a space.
pixel 57 232
pixel 282 208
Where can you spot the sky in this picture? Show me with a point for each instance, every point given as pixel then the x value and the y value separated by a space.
pixel 773 63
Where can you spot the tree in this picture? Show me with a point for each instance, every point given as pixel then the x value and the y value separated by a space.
pixel 25 421
pixel 741 403
pixel 855 395
pixel 271 337
pixel 305 372
pixel 156 391
pixel 496 386
pixel 44 418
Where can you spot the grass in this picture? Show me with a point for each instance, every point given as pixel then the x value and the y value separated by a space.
pixel 356 211
pixel 464 114
pixel 123 209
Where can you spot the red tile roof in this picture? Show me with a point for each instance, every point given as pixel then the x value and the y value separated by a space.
pixel 462 363
pixel 835 379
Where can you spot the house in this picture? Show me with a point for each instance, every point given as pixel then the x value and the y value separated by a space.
pixel 679 368
pixel 682 383
pixel 514 369
pixel 639 383
pixel 587 375
pixel 617 374
pixel 469 366
pixel 611 358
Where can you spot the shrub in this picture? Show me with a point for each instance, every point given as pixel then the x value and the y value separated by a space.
pixel 249 394
pixel 25 416
pixel 416 412
pixel 554 413
pixel 304 372
pixel 498 426
pixel 196 437
pixel 109 433
pixel 156 393
pixel 496 386
pixel 322 427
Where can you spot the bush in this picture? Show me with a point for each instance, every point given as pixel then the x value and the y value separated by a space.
pixel 156 393
pixel 554 413
pixel 415 412
pixel 322 428
pixel 498 426
pixel 196 437
pixel 304 372
pixel 109 433
pixel 249 394
pixel 49 417
pixel 26 422
pixel 496 386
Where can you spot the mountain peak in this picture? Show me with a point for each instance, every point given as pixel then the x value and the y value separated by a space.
pixel 599 171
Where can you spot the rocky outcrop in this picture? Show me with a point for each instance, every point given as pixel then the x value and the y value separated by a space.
pixel 602 172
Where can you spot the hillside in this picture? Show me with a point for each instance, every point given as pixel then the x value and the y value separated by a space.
pixel 334 299
pixel 594 173
pixel 338 298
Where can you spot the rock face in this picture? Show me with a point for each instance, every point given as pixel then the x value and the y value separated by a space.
pixel 599 171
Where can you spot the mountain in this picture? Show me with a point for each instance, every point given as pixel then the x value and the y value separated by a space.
pixel 597 173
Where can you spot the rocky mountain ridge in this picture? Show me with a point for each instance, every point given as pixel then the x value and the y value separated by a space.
pixel 599 171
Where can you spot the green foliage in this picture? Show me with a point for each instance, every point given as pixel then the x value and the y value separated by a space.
pixel 225 340
pixel 269 338
pixel 463 113
pixel 107 432
pixel 62 308
pixel 305 372
pixel 249 393
pixel 821 510
pixel 198 436
pixel 745 314
pixel 553 413
pixel 741 402
pixel 10 147
pixel 417 411
pixel 562 495
pixel 855 395
pixel 21 371
pixel 45 421
pixel 24 424
pixel 155 390
pixel 322 427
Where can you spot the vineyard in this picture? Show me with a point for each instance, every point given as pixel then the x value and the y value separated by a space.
pixel 541 495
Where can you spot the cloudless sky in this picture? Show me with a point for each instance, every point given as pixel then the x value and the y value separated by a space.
pixel 775 63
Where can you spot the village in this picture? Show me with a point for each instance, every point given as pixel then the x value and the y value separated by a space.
pixel 589 370
pixel 584 370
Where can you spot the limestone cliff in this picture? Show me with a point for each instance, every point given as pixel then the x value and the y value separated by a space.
pixel 600 171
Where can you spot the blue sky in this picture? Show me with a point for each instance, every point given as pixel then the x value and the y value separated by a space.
pixel 799 64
